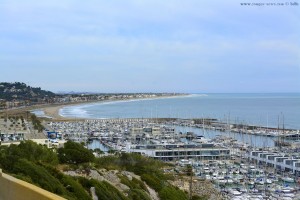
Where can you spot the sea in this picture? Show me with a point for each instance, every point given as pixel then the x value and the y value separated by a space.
pixel 263 109
pixel 268 110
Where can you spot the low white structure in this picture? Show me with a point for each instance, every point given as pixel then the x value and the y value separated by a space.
pixel 169 152
pixel 278 161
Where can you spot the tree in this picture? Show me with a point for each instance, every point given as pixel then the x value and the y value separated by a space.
pixel 73 152
pixel 27 150
pixel 189 172
pixel 99 151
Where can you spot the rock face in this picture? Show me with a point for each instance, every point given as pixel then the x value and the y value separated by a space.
pixel 200 188
pixel 95 175
pixel 153 195
pixel 71 173
pixel 93 193
pixel 112 177
pixel 109 176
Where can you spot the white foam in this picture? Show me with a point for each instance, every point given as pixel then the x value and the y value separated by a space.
pixel 40 113
pixel 74 111
pixel 81 112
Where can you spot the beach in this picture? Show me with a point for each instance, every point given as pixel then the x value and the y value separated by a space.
pixel 254 109
pixel 51 111
pixel 261 110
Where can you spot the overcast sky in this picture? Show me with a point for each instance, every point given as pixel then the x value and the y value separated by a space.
pixel 191 46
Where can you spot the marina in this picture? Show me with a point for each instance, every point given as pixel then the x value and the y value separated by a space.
pixel 238 168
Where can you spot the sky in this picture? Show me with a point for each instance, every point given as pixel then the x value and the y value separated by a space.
pixel 187 46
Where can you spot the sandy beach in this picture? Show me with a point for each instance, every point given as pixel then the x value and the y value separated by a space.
pixel 52 111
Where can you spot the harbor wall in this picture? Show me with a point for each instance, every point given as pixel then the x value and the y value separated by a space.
pixel 13 188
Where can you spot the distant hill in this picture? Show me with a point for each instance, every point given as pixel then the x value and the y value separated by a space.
pixel 21 91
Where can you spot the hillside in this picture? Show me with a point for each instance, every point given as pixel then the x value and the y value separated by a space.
pixel 21 91
pixel 74 173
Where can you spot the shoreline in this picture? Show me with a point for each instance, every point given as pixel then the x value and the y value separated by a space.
pixel 51 112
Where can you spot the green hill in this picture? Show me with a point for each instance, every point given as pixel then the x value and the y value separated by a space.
pixel 43 167
pixel 21 91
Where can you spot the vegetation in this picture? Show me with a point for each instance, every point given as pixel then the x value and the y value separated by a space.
pixel 103 189
pixel 149 170
pixel 37 125
pixel 74 153
pixel 20 91
pixel 39 165
pixel 137 188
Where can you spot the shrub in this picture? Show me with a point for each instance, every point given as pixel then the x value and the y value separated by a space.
pixel 38 175
pixel 104 190
pixel 138 194
pixel 74 153
pixel 172 193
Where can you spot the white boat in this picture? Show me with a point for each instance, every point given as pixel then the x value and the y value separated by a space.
pixel 215 174
pixel 234 193
pixel 220 180
pixel 207 177
pixel 287 196
pixel 236 180
pixel 184 162
pixel 259 181
pixel 287 189
pixel 288 179
pixel 206 170
pixel 268 181
pixel 243 190
pixel 229 181
pixel 200 139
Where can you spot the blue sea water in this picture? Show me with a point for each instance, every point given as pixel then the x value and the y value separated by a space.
pixel 271 109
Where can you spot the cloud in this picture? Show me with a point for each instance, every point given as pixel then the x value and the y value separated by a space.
pixel 154 43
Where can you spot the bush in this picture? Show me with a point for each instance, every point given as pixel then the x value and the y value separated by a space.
pixel 195 197
pixel 133 184
pixel 138 194
pixel 104 190
pixel 172 193
pixel 74 153
pixel 37 153
pixel 71 184
pixel 153 181
pixel 27 150
pixel 38 175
